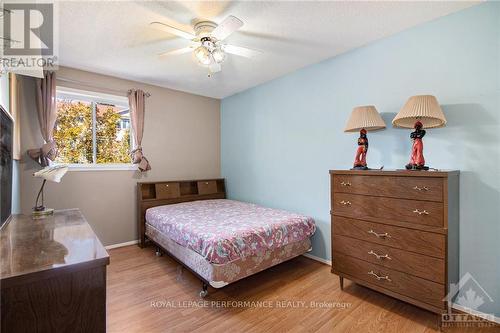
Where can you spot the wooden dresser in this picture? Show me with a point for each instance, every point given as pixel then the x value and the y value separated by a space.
pixel 397 232
pixel 53 275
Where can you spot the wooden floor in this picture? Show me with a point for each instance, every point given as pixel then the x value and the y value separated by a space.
pixel 153 294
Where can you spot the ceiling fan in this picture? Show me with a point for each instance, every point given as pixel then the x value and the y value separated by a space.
pixel 207 42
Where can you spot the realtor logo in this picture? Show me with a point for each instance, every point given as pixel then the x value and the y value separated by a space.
pixel 30 29
pixel 468 295
pixel 29 37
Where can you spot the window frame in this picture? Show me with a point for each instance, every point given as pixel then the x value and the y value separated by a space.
pixel 97 97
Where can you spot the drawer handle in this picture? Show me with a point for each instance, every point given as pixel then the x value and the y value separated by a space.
pixel 206 183
pixel 384 235
pixel 380 256
pixel 345 184
pixel 345 203
pixel 379 277
pixel 425 188
pixel 423 212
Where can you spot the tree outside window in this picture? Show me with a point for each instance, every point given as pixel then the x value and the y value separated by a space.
pixel 91 131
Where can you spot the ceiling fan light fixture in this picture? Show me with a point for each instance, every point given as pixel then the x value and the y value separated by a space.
pixel 219 55
pixel 203 55
pixel 207 41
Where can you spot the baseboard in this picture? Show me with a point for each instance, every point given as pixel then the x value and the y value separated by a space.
pixel 321 260
pixel 114 246
pixel 474 312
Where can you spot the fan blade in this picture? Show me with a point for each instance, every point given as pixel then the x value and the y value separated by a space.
pixel 241 51
pixel 214 67
pixel 176 52
pixel 227 27
pixel 172 30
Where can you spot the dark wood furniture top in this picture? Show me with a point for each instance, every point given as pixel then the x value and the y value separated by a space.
pixel 152 194
pixel 402 173
pixel 53 275
pixel 397 232
pixel 33 247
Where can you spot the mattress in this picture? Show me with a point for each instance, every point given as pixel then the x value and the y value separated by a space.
pixel 222 231
pixel 220 275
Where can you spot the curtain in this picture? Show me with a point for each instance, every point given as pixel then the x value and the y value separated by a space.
pixel 47 114
pixel 137 104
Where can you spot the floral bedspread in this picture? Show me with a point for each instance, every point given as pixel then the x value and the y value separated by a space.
pixel 226 230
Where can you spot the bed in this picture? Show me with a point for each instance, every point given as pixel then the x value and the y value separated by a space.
pixel 221 241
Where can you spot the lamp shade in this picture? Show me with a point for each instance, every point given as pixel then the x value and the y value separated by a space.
pixel 366 117
pixel 424 108
pixel 52 173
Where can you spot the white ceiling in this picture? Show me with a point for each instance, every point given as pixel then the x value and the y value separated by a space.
pixel 114 37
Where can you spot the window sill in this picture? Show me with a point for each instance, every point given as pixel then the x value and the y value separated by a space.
pixel 102 167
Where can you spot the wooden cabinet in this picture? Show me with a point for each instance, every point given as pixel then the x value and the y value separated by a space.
pixel 424 266
pixel 53 275
pixel 167 190
pixel 207 187
pixel 397 232
pixel 428 243
pixel 418 188
pixel 372 207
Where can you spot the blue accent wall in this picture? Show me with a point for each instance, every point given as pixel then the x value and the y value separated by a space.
pixel 280 139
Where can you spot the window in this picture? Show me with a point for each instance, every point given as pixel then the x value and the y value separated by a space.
pixel 92 129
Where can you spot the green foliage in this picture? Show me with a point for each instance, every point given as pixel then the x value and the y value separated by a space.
pixel 109 149
pixel 73 134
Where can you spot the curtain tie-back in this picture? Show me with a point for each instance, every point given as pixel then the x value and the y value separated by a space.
pixel 139 159
pixel 45 154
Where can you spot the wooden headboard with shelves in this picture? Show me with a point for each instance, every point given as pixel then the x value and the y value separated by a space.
pixel 152 194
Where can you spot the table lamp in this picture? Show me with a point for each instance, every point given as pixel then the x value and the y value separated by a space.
pixel 419 112
pixel 363 119
pixel 53 174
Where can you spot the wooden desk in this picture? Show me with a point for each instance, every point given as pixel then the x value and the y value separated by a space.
pixel 53 275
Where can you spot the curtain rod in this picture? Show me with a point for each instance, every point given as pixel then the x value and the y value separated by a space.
pixel 88 85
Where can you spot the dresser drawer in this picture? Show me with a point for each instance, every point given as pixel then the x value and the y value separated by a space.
pixel 403 261
pixel 167 190
pixel 427 243
pixel 207 187
pixel 417 188
pixel 420 289
pixel 361 206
